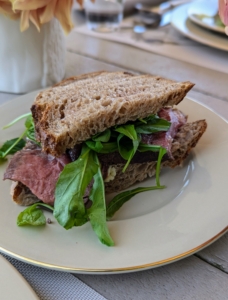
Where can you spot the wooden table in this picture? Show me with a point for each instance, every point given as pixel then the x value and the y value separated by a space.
pixel 202 275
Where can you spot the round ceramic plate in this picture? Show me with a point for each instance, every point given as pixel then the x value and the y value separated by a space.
pixel 205 14
pixel 183 24
pixel 12 284
pixel 152 229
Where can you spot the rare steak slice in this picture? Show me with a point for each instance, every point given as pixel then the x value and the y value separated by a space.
pixel 36 170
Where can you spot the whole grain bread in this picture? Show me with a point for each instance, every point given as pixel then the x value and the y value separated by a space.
pixel 79 107
pixel 186 138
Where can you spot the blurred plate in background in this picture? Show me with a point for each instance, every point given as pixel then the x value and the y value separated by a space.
pixel 205 14
pixel 183 24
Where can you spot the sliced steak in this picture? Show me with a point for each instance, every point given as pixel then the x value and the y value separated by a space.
pixel 37 171
pixel 164 139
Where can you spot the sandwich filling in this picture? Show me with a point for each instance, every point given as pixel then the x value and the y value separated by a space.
pixel 40 172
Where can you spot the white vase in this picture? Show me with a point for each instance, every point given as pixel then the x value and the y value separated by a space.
pixel 30 60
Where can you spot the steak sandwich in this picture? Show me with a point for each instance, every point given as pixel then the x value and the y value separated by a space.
pixel 115 124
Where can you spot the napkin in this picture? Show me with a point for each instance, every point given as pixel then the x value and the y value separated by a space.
pixel 54 285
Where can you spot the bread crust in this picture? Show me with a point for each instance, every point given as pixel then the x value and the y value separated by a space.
pixel 79 107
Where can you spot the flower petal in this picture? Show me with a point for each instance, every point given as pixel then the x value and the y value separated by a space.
pixel 6 9
pixel 24 24
pixel 28 4
pixel 34 18
pixel 63 14
pixel 48 12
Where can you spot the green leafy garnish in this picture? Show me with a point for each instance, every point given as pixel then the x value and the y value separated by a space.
pixel 33 215
pixel 127 148
pixel 29 124
pixel 95 146
pixel 103 136
pixel 16 120
pixel 109 147
pixel 69 208
pixel 156 125
pixel 97 212
pixel 123 197
pixel 162 152
pixel 128 142
pixel 147 147
pixel 11 147
pixel 118 201
pixel 127 130
pixel 126 138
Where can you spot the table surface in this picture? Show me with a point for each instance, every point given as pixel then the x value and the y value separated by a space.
pixel 204 274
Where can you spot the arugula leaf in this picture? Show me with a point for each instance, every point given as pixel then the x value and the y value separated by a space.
pixel 14 145
pixel 70 188
pixel 118 201
pixel 142 121
pixel 128 130
pixel 147 147
pixel 109 147
pixel 95 146
pixel 127 148
pixel 29 124
pixel 103 136
pixel 7 147
pixel 97 212
pixel 154 148
pixel 151 127
pixel 32 215
pixel 16 120
pixel 128 142
pixel 162 152
pixel 151 118
pixel 10 147
pixel 29 121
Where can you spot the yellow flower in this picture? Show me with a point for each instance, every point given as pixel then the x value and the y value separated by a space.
pixel 39 12
pixel 6 9
pixel 28 4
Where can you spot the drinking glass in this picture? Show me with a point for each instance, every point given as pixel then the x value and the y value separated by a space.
pixel 104 15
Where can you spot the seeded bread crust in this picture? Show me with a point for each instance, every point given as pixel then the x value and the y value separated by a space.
pixel 187 138
pixel 79 107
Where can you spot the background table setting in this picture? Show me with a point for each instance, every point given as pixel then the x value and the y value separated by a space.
pixel 194 265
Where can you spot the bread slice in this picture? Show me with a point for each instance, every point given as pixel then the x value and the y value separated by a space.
pixel 186 138
pixel 79 107
pixel 22 195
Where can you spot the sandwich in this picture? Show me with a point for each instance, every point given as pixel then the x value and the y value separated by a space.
pixel 96 134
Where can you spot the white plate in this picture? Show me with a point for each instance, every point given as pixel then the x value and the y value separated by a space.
pixel 152 229
pixel 204 13
pixel 181 22
pixel 12 284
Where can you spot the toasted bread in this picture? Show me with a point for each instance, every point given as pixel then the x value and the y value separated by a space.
pixel 79 107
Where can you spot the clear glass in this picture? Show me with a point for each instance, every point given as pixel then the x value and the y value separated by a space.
pixel 104 15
